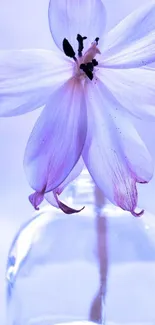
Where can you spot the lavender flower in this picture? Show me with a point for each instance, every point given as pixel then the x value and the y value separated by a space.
pixel 92 87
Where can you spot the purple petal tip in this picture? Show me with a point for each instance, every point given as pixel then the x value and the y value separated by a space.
pixel 68 210
pixel 36 199
pixel 138 214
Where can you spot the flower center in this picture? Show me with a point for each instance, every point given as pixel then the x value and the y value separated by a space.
pixel 85 63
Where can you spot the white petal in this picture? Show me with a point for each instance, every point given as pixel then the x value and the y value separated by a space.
pixel 71 17
pixel 57 139
pixel 132 42
pixel 28 77
pixel 133 88
pixel 114 153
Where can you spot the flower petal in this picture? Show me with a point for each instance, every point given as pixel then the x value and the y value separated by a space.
pixel 36 199
pixel 114 153
pixel 75 172
pixel 133 88
pixel 71 17
pixel 28 77
pixel 57 139
pixel 52 196
pixel 132 42
pixel 66 209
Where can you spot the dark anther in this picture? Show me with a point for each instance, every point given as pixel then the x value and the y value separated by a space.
pixel 96 40
pixel 68 50
pixel 80 40
pixel 88 72
pixel 90 66
pixel 94 62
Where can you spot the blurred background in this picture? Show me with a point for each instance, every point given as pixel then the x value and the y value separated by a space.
pixel 24 24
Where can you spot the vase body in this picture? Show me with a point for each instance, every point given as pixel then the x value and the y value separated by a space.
pixel 53 273
pixel 94 266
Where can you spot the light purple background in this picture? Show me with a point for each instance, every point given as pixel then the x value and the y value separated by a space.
pixel 23 24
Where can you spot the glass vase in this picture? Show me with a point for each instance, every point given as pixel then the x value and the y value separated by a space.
pixel 95 266
pixel 57 264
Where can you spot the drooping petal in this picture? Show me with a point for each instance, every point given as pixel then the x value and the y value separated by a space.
pixel 36 198
pixel 114 153
pixel 57 139
pixel 133 88
pixel 53 197
pixel 66 209
pixel 28 77
pixel 132 42
pixel 71 17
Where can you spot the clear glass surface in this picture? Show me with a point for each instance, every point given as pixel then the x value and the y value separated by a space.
pixel 95 266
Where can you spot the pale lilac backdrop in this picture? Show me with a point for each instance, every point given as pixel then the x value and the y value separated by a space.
pixel 23 24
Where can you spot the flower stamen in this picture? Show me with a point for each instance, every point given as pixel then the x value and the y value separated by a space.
pixel 87 71
pixel 91 52
pixel 80 40
pixel 86 62
pixel 96 40
pixel 88 68
pixel 68 49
